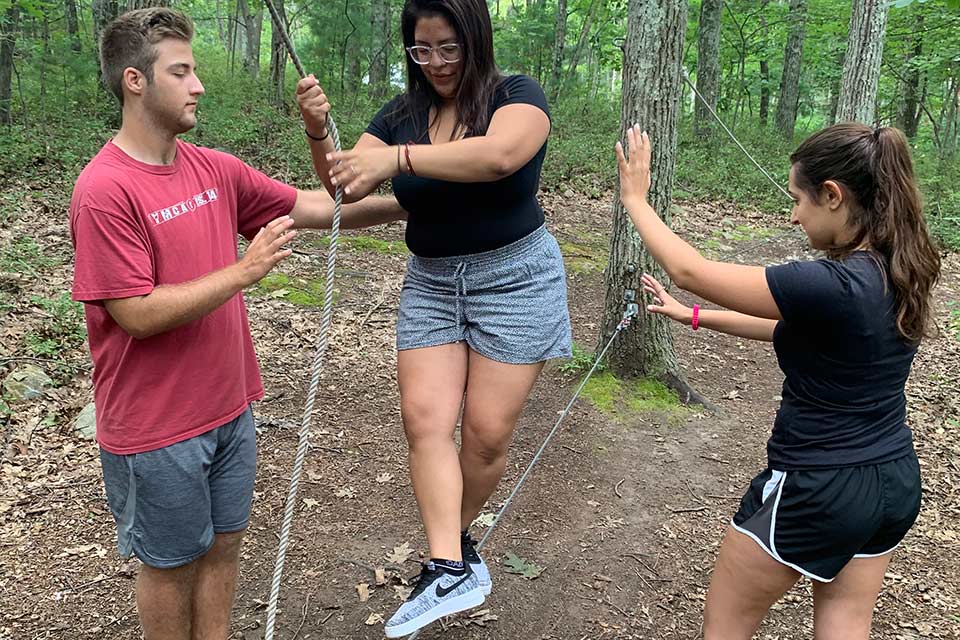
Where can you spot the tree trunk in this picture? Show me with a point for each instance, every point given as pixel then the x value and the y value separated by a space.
pixel 278 58
pixel 8 40
pixel 103 12
pixel 380 46
pixel 252 27
pixel 653 55
pixel 861 66
pixel 785 119
pixel 73 30
pixel 559 39
pixel 950 124
pixel 708 64
pixel 144 4
pixel 581 42
pixel 764 67
pixel 908 110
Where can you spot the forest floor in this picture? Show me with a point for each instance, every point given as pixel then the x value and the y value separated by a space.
pixel 613 536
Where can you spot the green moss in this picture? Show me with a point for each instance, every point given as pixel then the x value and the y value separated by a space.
pixel 582 258
pixel 652 395
pixel 603 390
pixel 368 243
pixel 301 292
pixel 621 398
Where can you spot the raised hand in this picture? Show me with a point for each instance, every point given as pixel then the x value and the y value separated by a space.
pixel 663 302
pixel 635 172
pixel 266 250
pixel 313 106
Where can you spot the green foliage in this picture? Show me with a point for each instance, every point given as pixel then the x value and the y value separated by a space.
pixel 954 322
pixel 524 568
pixel 24 256
pixel 299 291
pixel 368 243
pixel 579 363
pixel 64 329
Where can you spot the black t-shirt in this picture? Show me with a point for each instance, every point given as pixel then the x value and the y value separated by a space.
pixel 458 218
pixel 845 365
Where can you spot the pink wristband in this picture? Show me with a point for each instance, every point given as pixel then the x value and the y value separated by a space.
pixel 695 320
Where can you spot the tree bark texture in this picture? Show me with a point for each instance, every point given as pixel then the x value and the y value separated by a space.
pixel 908 109
pixel 380 48
pixel 653 55
pixel 559 40
pixel 252 27
pixel 278 57
pixel 861 65
pixel 73 30
pixel 708 64
pixel 785 119
pixel 8 40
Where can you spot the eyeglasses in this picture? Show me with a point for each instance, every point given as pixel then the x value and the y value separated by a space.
pixel 448 53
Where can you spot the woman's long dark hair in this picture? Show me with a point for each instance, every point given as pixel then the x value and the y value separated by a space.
pixel 874 167
pixel 479 78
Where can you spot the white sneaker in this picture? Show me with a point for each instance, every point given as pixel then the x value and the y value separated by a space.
pixel 436 595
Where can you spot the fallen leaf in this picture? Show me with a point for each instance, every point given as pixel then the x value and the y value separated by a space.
pixel 344 493
pixel 363 590
pixel 379 576
pixel 400 554
pixel 310 502
pixel 485 519
pixel 375 618
pixel 516 564
pixel 384 477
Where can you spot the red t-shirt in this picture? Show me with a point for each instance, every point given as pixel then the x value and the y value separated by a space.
pixel 135 226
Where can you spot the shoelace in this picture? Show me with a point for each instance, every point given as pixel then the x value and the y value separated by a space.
pixel 468 547
pixel 428 573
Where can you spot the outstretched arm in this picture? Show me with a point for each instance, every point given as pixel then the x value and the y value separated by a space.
pixel 729 322
pixel 314 210
pixel 738 287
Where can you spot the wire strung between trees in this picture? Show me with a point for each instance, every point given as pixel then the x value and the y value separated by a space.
pixel 318 359
pixel 686 78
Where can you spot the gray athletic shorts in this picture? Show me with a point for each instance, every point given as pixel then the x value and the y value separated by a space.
pixel 509 304
pixel 168 503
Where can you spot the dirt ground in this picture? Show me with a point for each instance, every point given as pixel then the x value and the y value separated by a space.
pixel 620 521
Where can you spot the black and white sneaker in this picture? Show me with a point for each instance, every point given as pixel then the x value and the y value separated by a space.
pixel 468 549
pixel 438 593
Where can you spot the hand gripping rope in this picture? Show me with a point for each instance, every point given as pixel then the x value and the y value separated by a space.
pixel 318 359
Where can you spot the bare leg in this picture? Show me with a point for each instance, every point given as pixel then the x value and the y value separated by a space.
pixel 432 381
pixel 843 609
pixel 745 582
pixel 164 602
pixel 214 586
pixel 496 393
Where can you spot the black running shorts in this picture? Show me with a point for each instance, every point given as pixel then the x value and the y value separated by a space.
pixel 816 521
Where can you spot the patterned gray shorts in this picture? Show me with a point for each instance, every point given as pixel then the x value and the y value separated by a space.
pixel 509 304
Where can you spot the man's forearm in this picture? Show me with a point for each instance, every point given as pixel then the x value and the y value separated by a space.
pixel 170 306
pixel 314 210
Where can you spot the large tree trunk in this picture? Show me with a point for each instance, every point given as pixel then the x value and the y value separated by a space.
pixel 908 109
pixel 581 42
pixel 708 64
pixel 252 27
pixel 380 46
pixel 559 40
pixel 861 66
pixel 785 119
pixel 8 40
pixel 278 58
pixel 73 30
pixel 653 55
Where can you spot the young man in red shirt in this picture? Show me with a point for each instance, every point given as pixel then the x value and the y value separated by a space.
pixel 154 222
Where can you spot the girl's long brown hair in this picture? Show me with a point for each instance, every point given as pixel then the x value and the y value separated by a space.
pixel 470 20
pixel 874 167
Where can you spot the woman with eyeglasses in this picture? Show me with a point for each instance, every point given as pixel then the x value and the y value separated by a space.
pixel 483 304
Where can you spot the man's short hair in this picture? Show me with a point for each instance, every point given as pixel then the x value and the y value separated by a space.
pixel 128 41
